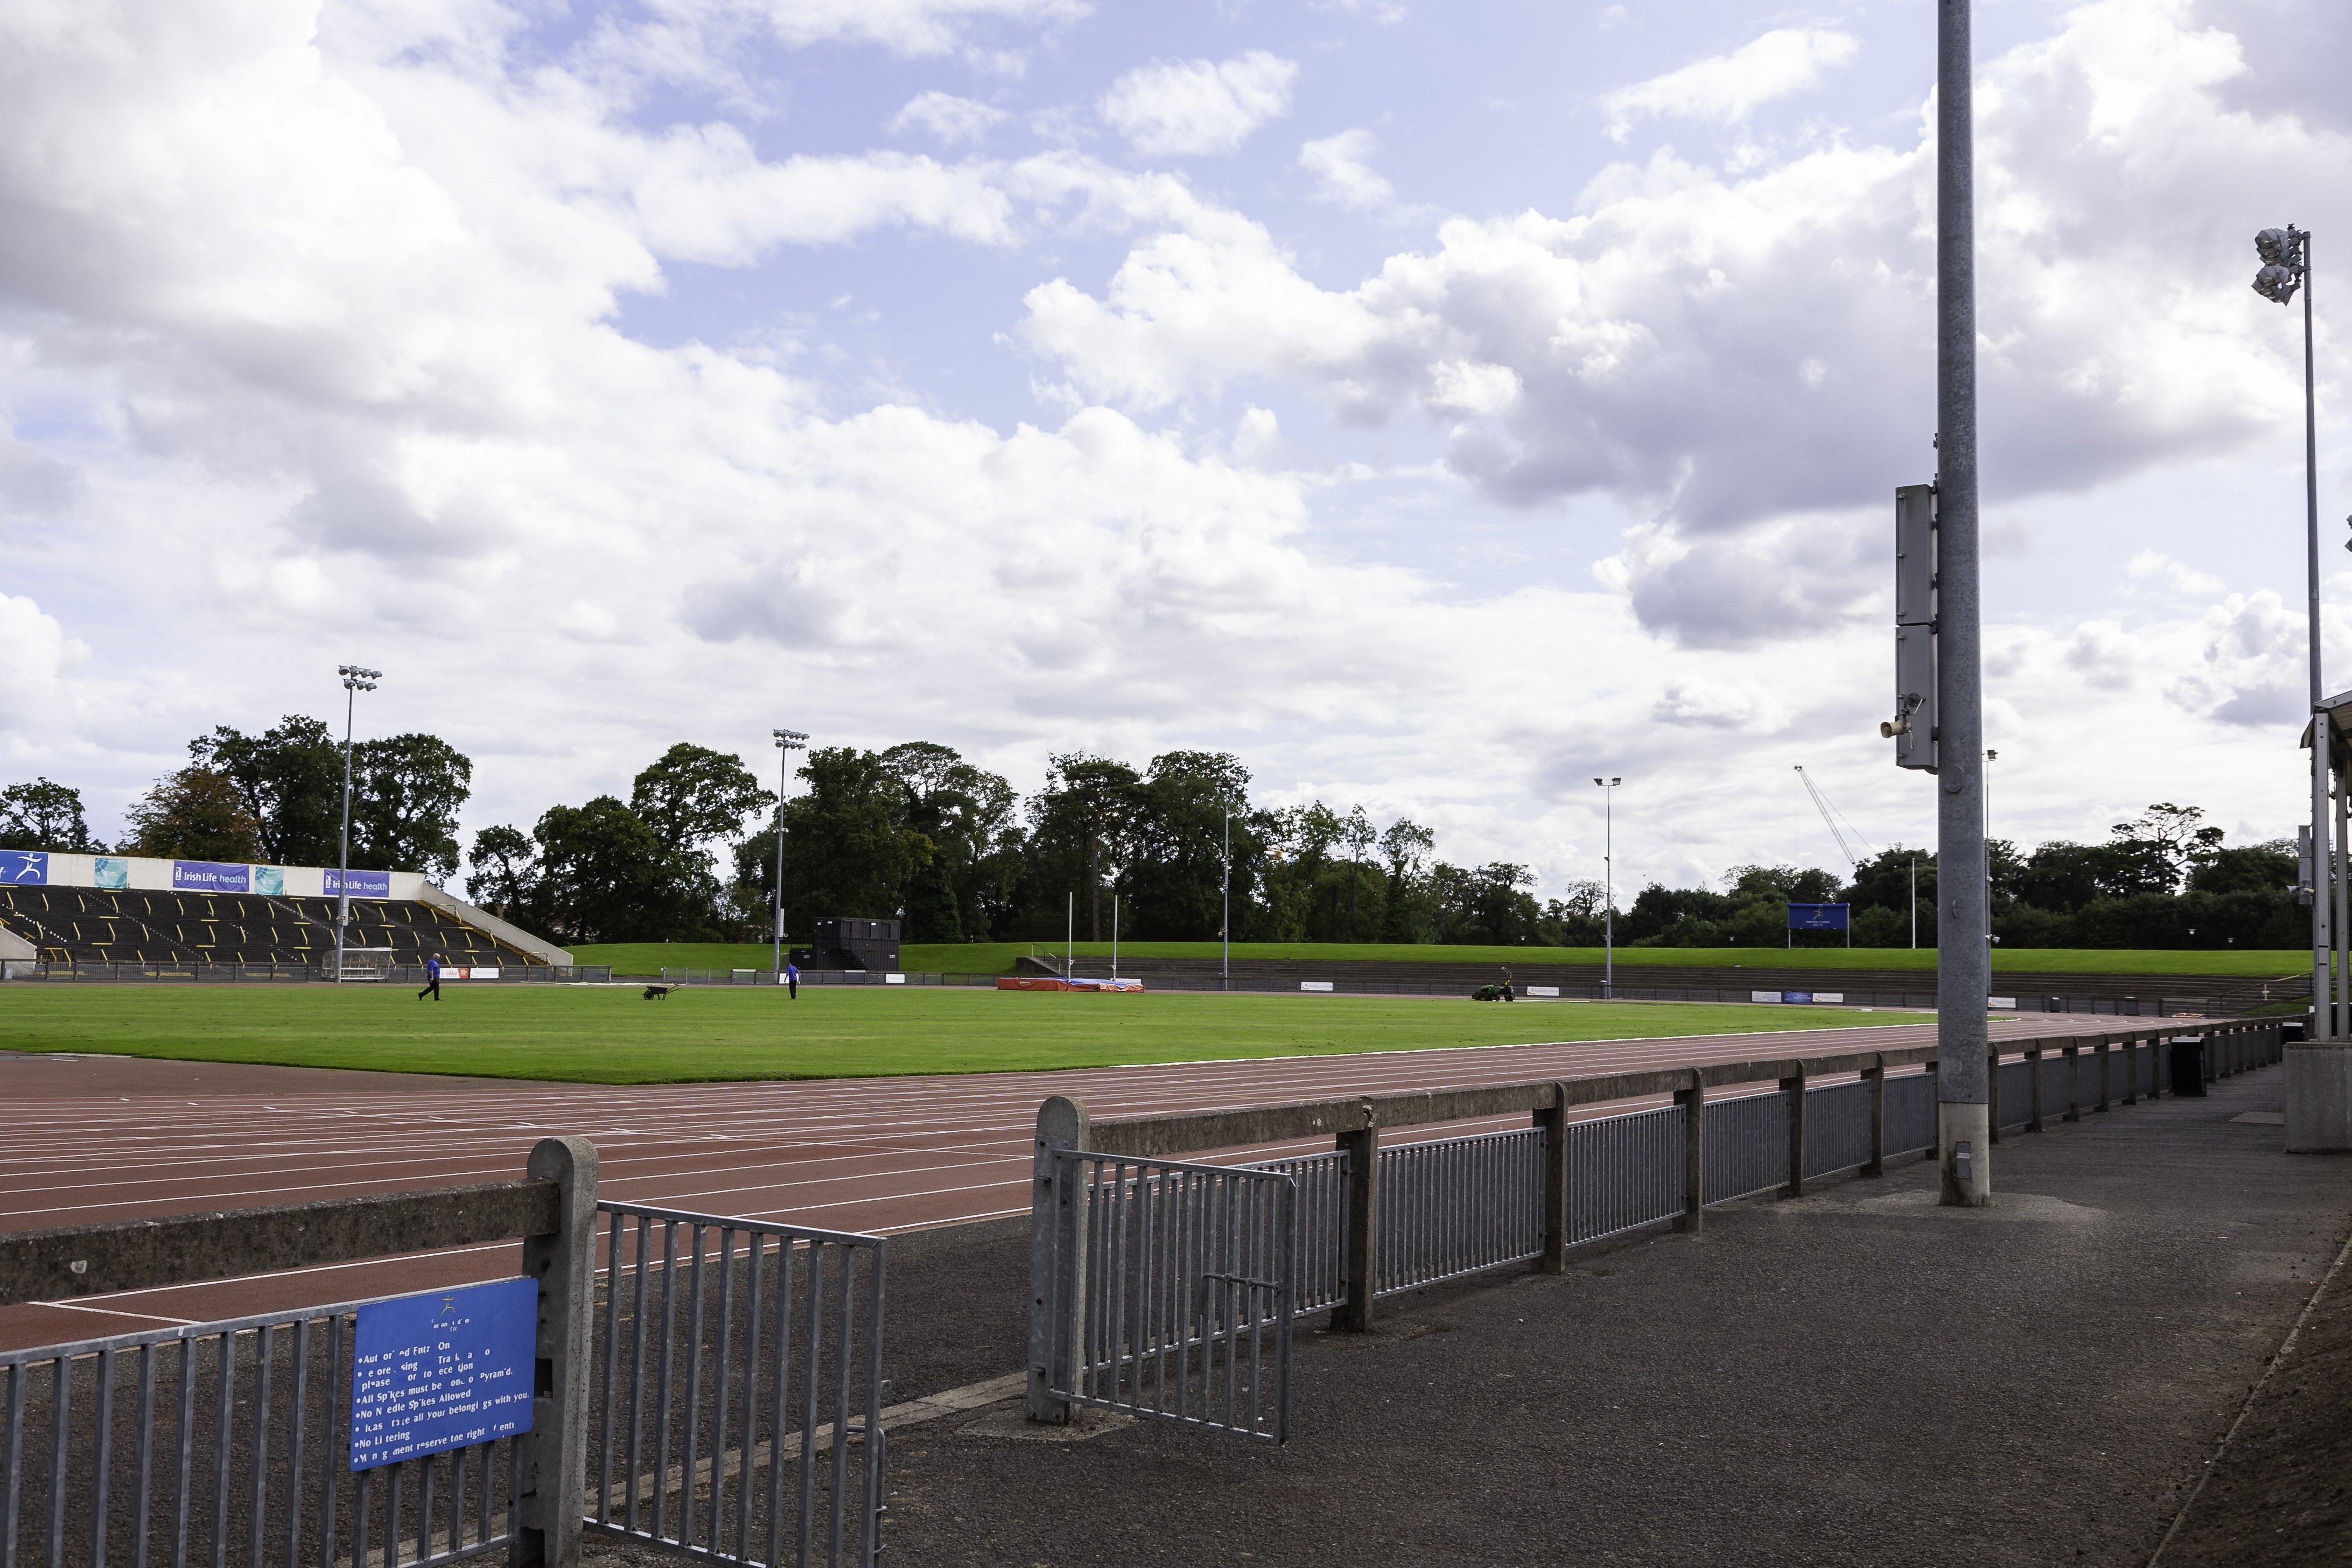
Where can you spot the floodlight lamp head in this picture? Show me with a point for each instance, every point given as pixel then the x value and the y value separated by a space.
pixel 2277 284
pixel 2279 246
pixel 789 740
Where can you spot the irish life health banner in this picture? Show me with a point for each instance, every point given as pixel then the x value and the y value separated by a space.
pixel 363 884
pixel 210 877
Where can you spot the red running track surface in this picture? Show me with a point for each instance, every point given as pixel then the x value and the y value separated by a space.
pixel 91 1138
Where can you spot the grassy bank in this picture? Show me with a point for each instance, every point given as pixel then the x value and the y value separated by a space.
pixel 998 958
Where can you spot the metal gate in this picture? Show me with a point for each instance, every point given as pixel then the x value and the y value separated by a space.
pixel 1173 1291
pixel 736 1390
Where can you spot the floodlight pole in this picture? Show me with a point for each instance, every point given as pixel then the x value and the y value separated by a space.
pixel 1609 884
pixel 2324 998
pixel 1225 911
pixel 1963 955
pixel 787 742
pixel 355 680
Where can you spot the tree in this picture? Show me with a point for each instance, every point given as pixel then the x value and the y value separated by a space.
pixel 965 814
pixel 43 816
pixel 290 780
pixel 195 814
pixel 1083 817
pixel 1175 863
pixel 848 850
pixel 694 796
pixel 2167 835
pixel 2247 868
pixel 405 792
pixel 605 876
pixel 1406 848
pixel 506 875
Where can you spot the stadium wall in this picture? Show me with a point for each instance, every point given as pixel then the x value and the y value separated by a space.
pixel 58 868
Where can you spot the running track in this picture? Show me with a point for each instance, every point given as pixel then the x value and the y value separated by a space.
pixel 85 1139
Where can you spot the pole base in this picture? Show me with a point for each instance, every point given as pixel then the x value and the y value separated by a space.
pixel 1964 1155
pixel 2319 1097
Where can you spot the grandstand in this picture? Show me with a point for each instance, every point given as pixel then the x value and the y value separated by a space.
pixel 61 911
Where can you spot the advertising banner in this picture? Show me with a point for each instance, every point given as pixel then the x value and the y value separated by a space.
pixel 365 884
pixel 24 868
pixel 110 871
pixel 1818 917
pixel 210 877
pixel 270 879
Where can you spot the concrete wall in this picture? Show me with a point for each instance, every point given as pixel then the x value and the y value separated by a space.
pixel 513 935
pixel 58 868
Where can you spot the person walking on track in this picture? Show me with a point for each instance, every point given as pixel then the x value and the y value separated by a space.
pixel 792 980
pixel 432 979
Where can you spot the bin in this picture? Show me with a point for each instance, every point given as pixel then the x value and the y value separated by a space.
pixel 2188 1064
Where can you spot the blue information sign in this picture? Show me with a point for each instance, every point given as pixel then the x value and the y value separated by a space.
pixel 24 868
pixel 1818 917
pixel 442 1370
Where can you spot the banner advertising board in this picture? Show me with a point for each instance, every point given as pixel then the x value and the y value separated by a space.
pixel 24 868
pixel 1818 917
pixel 210 877
pixel 270 879
pixel 365 884
pixel 111 871
pixel 446 1369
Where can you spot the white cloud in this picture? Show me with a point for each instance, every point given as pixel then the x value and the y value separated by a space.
pixel 1723 354
pixel 34 654
pixel 2153 570
pixel 1343 172
pixel 1181 108
pixel 1726 89
pixel 946 117
pixel 905 26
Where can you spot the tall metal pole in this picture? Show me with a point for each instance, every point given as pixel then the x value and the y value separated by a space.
pixel 343 853
pixel 1963 956
pixel 787 742
pixel 1915 900
pixel 1609 884
pixel 1225 911
pixel 2323 937
pixel 356 678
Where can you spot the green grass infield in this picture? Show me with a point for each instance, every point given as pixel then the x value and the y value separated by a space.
pixel 611 1035
pixel 998 957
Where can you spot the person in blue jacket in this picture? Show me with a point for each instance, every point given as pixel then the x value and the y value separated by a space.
pixel 432 979
pixel 793 980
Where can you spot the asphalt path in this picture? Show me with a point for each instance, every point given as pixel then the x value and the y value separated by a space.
pixel 87 1139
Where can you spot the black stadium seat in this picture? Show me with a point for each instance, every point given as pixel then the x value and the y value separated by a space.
pixel 91 925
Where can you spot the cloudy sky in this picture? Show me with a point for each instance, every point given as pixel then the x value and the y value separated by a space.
pixel 1436 405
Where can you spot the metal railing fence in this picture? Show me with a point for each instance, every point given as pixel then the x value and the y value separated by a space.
pixel 1446 1207
pixel 225 1443
pixel 1624 1171
pixel 737 1364
pixel 1452 1206
pixel 1173 1291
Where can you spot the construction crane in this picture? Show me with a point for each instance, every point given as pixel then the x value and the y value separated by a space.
pixel 1833 817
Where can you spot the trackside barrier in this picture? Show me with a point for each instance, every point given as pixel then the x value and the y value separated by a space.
pixel 1183 1276
pixel 230 1442
pixel 739 1365
pixel 1370 1220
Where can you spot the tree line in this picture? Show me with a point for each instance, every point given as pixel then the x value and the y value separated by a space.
pixel 916 832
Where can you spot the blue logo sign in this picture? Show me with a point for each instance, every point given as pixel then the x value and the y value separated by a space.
pixel 443 1370
pixel 110 871
pixel 210 877
pixel 24 868
pixel 1804 996
pixel 1818 917
pixel 363 884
